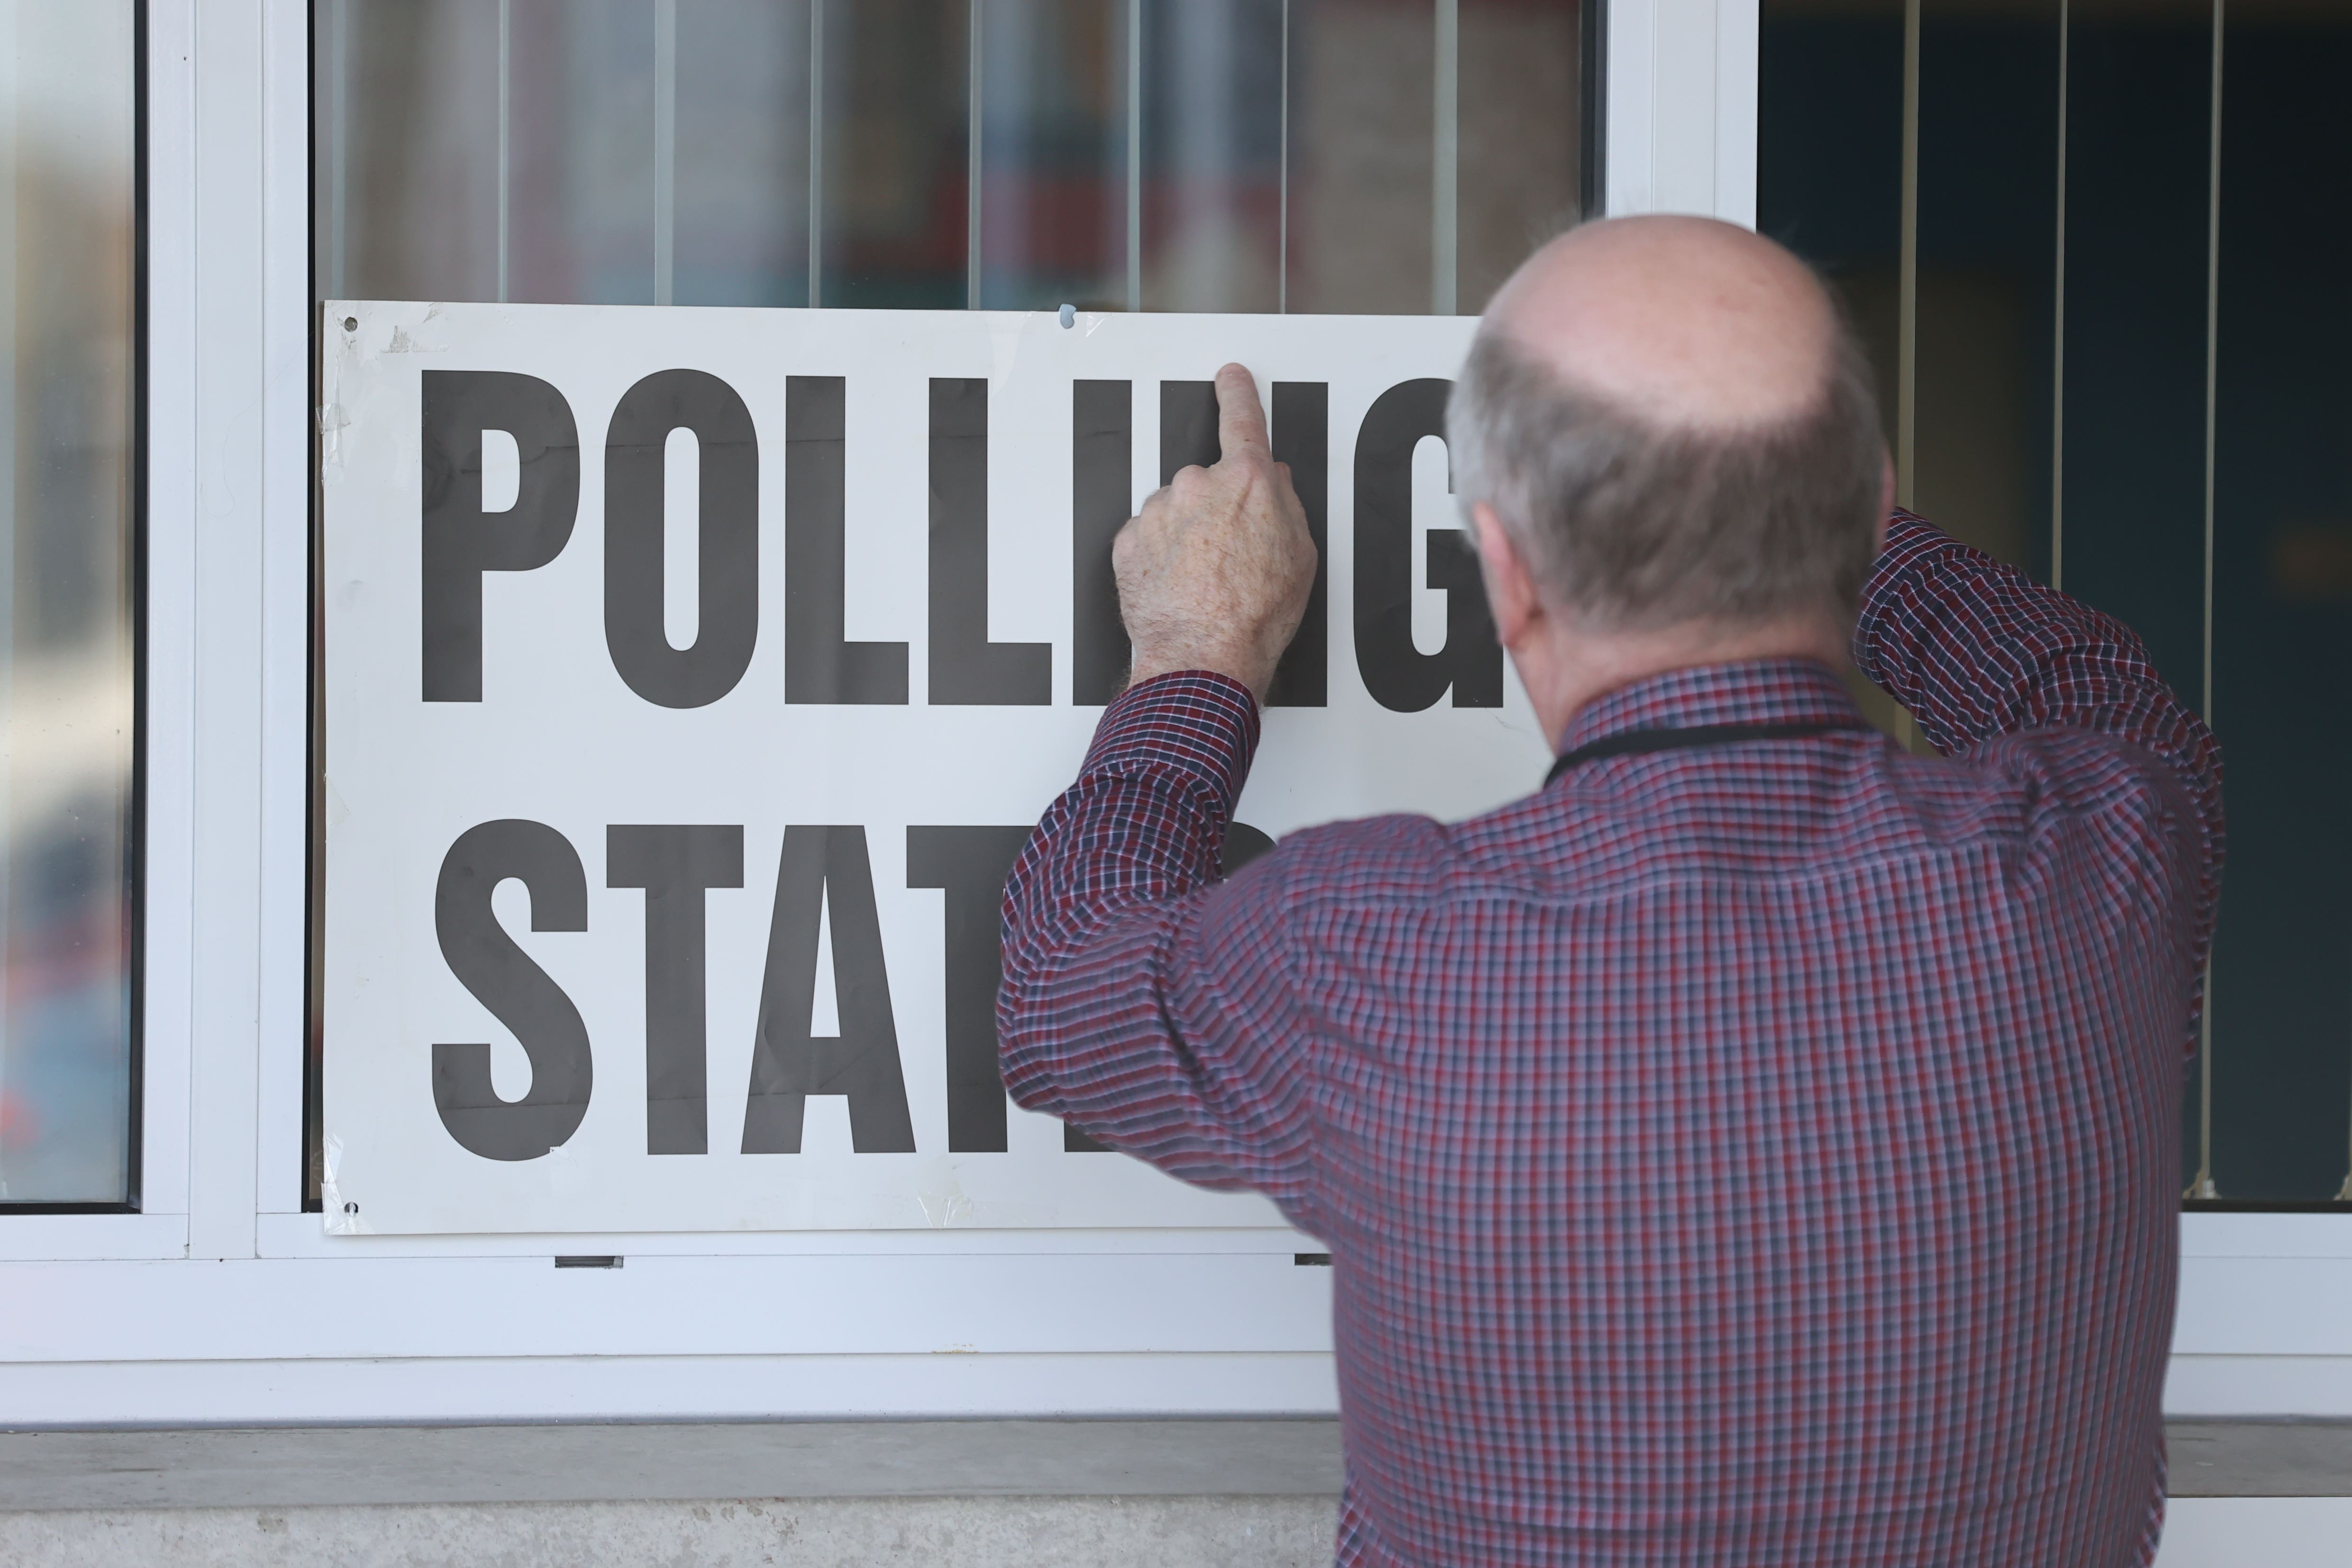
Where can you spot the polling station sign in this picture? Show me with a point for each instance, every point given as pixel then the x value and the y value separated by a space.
pixel 692 678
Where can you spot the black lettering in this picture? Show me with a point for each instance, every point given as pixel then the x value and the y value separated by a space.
pixel 822 869
pixel 971 865
pixel 517 991
pixel 728 529
pixel 966 667
pixel 1243 844
pixel 1399 676
pixel 461 541
pixel 820 666
pixel 1188 427
pixel 674 865
pixel 1101 447
pixel 1301 435
pixel 1451 566
pixel 1102 458
pixel 1302 438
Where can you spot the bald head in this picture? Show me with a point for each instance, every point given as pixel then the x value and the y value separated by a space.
pixel 1673 421
pixel 1684 323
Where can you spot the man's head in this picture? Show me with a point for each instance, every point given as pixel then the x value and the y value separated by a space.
pixel 1668 445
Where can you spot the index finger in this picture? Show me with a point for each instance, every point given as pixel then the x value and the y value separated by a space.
pixel 1240 418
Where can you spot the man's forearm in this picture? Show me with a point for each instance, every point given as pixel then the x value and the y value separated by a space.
pixel 1144 822
pixel 1975 649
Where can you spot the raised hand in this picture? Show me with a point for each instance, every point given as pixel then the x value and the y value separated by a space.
pixel 1214 573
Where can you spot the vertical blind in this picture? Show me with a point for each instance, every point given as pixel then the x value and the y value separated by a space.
pixel 1238 155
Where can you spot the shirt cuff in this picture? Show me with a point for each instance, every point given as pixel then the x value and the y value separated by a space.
pixel 1196 725
pixel 1913 546
pixel 1908 538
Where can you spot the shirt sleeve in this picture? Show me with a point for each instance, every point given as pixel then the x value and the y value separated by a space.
pixel 1978 651
pixel 1145 1001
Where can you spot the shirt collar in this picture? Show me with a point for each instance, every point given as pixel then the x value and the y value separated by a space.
pixel 1752 691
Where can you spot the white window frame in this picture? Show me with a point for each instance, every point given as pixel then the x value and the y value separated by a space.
pixel 1680 108
pixel 268 1319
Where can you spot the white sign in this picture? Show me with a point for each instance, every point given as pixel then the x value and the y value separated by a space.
pixel 692 678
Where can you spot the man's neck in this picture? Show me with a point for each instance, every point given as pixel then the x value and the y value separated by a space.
pixel 1567 669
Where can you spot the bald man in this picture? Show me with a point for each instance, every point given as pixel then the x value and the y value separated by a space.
pixel 1758 1145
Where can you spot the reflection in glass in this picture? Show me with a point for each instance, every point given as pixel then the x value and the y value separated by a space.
pixel 67 291
pixel 415 175
pixel 896 127
pixel 580 102
pixel 1238 155
pixel 1520 137
pixel 1054 139
pixel 741 158
pixel 1362 155
pixel 1368 218
pixel 1211 73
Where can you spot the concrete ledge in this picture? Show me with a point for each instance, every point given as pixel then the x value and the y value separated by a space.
pixel 899 1532
pixel 2280 1457
pixel 346 1467
pixel 312 1467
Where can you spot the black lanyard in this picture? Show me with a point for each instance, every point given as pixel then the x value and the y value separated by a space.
pixel 1698 735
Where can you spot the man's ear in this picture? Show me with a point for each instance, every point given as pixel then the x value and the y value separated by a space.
pixel 1510 587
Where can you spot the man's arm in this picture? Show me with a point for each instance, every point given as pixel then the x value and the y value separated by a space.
pixel 1143 1000
pixel 1977 649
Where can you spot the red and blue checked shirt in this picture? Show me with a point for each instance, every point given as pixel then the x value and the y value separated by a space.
pixel 1761 1153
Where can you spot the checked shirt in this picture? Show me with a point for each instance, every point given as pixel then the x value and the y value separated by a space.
pixel 1754 1154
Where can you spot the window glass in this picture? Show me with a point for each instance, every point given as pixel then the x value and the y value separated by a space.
pixel 1055 131
pixel 2282 1068
pixel 2108 360
pixel 1242 155
pixel 67 327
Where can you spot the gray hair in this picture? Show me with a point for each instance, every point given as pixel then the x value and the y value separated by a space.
pixel 1635 527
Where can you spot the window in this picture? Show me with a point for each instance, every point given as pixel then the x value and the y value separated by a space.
pixel 68 442
pixel 2115 361
pixel 1242 155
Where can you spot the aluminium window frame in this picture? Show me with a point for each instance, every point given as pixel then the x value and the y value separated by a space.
pixel 224 467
